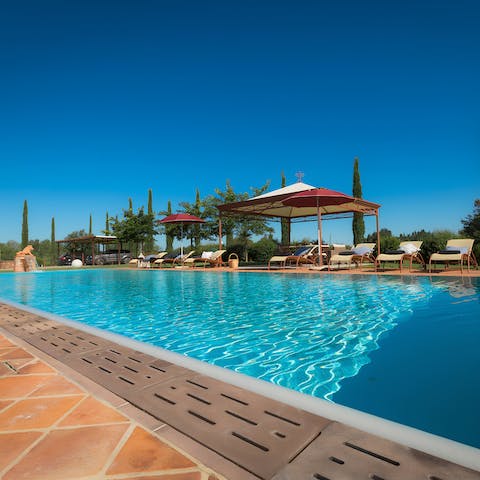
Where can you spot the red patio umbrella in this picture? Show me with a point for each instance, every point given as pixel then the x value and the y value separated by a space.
pixel 181 218
pixel 319 198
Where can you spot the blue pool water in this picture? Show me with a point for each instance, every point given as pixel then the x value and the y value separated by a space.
pixel 404 348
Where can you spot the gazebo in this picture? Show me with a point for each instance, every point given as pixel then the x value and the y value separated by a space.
pixel 271 205
pixel 91 240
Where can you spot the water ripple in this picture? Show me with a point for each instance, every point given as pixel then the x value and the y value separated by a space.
pixel 307 333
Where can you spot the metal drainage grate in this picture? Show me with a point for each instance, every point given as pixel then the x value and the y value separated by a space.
pixel 125 371
pixel 343 452
pixel 255 432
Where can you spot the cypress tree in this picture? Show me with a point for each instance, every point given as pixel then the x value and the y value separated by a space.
pixel 168 234
pixel 285 222
pixel 53 253
pixel 150 207
pixel 196 226
pixel 132 246
pixel 107 225
pixel 149 240
pixel 358 224
pixel 25 225
pixel 90 225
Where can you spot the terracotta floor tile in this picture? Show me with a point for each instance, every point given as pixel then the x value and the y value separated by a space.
pixel 12 353
pixel 5 342
pixel 5 404
pixel 20 386
pixel 36 367
pixel 90 412
pixel 4 370
pixel 13 444
pixel 144 452
pixel 178 476
pixel 56 385
pixel 67 454
pixel 5 350
pixel 36 412
pixel 18 363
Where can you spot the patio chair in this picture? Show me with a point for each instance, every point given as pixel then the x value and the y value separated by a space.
pixel 157 259
pixel 212 259
pixel 358 254
pixel 179 260
pixel 308 258
pixel 299 252
pixel 409 250
pixel 457 250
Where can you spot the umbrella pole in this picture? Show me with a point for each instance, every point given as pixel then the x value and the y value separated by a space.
pixel 319 220
pixel 181 239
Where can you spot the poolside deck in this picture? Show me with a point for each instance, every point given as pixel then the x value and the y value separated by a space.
pixel 75 405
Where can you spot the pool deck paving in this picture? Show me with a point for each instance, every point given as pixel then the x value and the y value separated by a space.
pixel 52 427
pixel 67 413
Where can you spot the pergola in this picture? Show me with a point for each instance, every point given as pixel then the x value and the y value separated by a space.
pixel 271 205
pixel 91 240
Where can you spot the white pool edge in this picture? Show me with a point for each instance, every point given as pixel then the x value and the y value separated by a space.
pixel 435 445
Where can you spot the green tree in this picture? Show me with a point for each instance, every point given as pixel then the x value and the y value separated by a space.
pixel 358 224
pixel 471 227
pixel 169 229
pixel 262 250
pixel 90 225
pixel 387 239
pixel 149 241
pixel 53 249
pixel 132 246
pixel 107 225
pixel 77 249
pixel 228 224
pixel 243 226
pixel 134 228
pixel 42 250
pixel 285 222
pixel 25 225
pixel 195 231
pixel 9 249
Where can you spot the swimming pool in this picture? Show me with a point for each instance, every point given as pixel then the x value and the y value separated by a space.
pixel 399 347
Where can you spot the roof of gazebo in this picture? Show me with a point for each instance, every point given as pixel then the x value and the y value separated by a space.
pixel 90 238
pixel 271 205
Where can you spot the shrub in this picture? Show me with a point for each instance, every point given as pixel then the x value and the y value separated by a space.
pixel 263 250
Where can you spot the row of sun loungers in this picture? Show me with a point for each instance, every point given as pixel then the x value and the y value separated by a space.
pixel 213 259
pixel 456 251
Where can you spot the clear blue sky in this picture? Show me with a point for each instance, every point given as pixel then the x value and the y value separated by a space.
pixel 102 100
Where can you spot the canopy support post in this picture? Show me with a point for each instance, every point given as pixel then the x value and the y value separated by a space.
pixel 319 220
pixel 378 232
pixel 220 230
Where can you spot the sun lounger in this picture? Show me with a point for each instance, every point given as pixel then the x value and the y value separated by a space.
pixel 308 258
pixel 178 260
pixel 457 250
pixel 150 260
pixel 409 250
pixel 358 254
pixel 159 258
pixel 212 260
pixel 299 252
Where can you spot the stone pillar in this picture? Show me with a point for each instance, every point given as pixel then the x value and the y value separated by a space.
pixel 19 265
pixel 30 263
